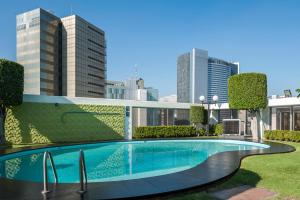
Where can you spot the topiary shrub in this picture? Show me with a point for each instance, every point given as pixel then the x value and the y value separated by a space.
pixel 164 131
pixel 219 129
pixel 247 91
pixel 11 89
pixel 198 115
pixel 283 135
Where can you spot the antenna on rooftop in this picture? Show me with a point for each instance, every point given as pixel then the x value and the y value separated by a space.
pixel 136 71
pixel 71 9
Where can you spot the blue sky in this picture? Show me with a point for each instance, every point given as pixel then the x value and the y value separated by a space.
pixel 263 35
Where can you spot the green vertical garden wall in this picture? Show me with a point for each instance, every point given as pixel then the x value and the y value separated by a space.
pixel 50 123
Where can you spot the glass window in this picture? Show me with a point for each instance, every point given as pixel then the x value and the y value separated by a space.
pixel 285 121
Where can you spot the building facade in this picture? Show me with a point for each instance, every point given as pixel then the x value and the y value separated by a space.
pixel 218 73
pixel 38 47
pixel 134 89
pixel 183 78
pixel 61 56
pixel 84 57
pixel 115 90
pixel 131 89
pixel 152 94
pixel 171 98
pixel 284 113
pixel 198 74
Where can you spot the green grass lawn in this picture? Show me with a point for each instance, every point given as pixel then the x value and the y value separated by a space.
pixel 278 172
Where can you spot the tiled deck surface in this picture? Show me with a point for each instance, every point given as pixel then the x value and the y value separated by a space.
pixel 215 168
pixel 244 192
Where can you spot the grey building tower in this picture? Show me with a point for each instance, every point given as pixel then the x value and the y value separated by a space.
pixel 61 56
pixel 198 74
pixel 38 50
pixel 83 58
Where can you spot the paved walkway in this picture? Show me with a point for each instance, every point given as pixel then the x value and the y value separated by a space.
pixel 244 192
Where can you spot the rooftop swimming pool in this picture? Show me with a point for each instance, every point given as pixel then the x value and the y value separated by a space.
pixel 115 161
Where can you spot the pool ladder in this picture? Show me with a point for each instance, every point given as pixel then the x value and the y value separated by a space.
pixel 47 155
pixel 82 172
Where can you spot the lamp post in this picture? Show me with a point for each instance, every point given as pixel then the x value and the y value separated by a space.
pixel 175 117
pixel 214 101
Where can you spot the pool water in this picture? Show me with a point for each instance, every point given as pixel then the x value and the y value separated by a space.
pixel 115 161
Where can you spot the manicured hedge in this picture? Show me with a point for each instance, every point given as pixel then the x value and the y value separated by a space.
pixel 164 131
pixel 247 91
pixel 201 132
pixel 283 135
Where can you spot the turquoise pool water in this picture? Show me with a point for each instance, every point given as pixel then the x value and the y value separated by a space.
pixel 118 160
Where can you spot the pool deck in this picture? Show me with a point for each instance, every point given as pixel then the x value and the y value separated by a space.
pixel 216 168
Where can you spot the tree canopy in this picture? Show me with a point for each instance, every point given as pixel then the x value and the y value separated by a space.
pixel 11 83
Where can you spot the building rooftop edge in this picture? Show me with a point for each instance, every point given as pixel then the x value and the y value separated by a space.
pixel 61 18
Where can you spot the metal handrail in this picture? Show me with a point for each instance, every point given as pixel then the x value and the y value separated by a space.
pixel 47 155
pixel 82 173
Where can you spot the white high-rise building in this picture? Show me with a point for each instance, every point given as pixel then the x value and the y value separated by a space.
pixel 198 74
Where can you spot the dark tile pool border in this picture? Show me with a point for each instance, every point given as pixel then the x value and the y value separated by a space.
pixel 216 168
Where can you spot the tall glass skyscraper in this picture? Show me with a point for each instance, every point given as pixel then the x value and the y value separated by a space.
pixel 61 56
pixel 198 74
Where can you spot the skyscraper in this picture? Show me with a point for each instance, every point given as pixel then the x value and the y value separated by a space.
pixel 198 74
pixel 38 51
pixel 61 56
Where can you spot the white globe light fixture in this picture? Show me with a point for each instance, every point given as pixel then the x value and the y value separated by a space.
pixel 202 98
pixel 215 98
